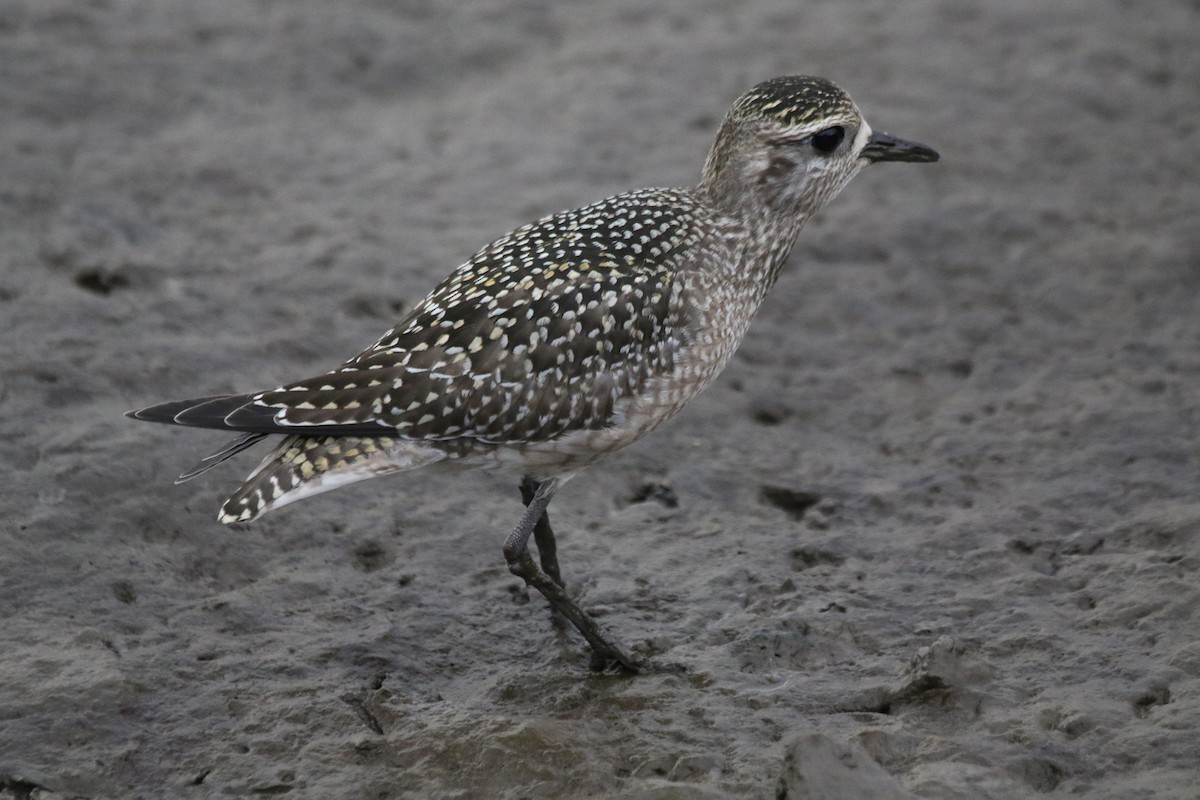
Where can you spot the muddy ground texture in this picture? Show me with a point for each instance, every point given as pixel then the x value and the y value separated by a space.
pixel 934 534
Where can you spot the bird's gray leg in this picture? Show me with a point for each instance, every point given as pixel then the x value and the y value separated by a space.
pixel 543 535
pixel 547 548
pixel 605 653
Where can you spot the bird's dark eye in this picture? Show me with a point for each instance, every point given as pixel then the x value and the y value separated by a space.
pixel 827 140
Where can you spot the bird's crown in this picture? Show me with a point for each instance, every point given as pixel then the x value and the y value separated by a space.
pixel 793 100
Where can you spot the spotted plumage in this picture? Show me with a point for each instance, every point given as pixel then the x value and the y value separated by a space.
pixel 541 333
pixel 570 337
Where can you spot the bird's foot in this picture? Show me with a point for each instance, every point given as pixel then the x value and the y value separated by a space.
pixel 607 655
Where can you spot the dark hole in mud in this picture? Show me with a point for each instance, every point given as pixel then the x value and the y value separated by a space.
pixel 370 556
pixel 962 368
pixel 1158 696
pixel 768 416
pixel 100 281
pixel 21 789
pixel 807 556
pixel 124 591
pixel 1022 547
pixel 770 413
pixel 1042 775
pixel 658 492
pixel 793 501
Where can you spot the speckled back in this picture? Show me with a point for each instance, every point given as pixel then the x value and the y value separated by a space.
pixel 541 332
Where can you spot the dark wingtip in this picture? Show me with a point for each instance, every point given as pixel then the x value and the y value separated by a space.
pixel 237 412
pixel 183 412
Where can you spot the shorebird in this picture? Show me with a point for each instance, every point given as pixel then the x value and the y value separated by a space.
pixel 568 338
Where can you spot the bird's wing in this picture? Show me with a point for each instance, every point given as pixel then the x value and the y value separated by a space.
pixel 540 333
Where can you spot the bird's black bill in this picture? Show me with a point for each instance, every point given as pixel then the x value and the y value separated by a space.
pixel 882 147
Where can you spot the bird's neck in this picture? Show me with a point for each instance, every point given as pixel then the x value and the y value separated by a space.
pixel 760 238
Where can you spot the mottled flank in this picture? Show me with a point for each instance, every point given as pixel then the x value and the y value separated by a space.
pixel 570 337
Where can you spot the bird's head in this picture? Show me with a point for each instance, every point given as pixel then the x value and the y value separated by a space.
pixel 790 144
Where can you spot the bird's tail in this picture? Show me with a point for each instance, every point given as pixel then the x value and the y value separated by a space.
pixel 302 466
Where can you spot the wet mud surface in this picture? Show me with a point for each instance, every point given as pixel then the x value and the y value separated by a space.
pixel 934 534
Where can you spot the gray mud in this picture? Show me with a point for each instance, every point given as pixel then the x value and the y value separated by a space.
pixel 934 534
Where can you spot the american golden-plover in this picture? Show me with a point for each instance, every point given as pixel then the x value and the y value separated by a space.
pixel 566 339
